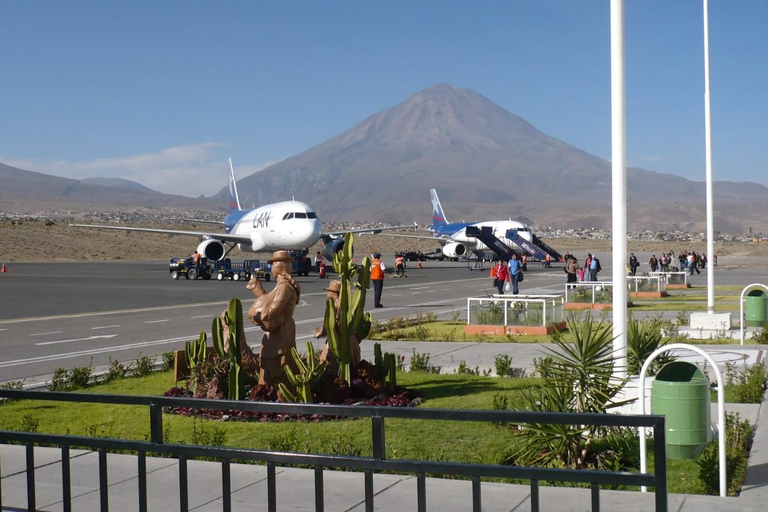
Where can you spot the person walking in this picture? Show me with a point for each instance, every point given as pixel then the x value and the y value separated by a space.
pixel 524 261
pixel 377 277
pixel 515 271
pixel 502 277
pixel 653 263
pixel 571 267
pixel 633 264
pixel 594 268
pixel 399 265
pixel 318 261
pixel 548 261
pixel 587 264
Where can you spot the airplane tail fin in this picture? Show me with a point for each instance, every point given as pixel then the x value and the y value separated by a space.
pixel 438 216
pixel 234 199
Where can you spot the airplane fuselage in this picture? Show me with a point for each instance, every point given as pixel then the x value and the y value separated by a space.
pixel 286 225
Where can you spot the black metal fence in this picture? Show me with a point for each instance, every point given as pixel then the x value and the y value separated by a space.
pixel 369 465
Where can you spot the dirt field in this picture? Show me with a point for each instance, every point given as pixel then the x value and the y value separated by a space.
pixel 34 241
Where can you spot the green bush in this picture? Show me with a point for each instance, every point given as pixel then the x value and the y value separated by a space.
pixel 420 363
pixel 738 442
pixel 749 384
pixel 80 377
pixel 169 360
pixel 60 380
pixel 503 364
pixel 143 366
pixel 115 371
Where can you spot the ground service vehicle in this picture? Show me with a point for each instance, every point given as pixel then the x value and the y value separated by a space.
pixel 236 271
pixel 186 267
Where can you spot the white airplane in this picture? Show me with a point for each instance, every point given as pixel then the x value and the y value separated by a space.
pixel 288 225
pixel 457 244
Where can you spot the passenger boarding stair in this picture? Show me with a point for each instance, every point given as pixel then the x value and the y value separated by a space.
pixel 485 234
pixel 536 247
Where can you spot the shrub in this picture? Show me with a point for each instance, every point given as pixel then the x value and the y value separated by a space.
pixel 80 377
pixel 115 371
pixel 420 363
pixel 60 380
pixel 169 360
pixel 143 366
pixel 29 424
pixel 738 442
pixel 463 369
pixel 500 402
pixel 749 384
pixel 503 364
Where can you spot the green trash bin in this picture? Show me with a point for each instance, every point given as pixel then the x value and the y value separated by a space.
pixel 756 308
pixel 681 393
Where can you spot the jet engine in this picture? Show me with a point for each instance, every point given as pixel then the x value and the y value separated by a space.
pixel 211 249
pixel 454 250
pixel 332 248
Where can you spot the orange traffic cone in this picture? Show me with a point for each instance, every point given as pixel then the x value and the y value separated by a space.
pixel 3 269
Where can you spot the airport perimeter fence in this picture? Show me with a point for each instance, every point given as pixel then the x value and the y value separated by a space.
pixel 378 462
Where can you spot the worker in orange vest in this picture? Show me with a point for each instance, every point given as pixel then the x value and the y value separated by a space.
pixel 495 274
pixel 196 259
pixel 377 277
pixel 400 265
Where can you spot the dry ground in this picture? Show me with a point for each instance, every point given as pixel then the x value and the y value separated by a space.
pixel 34 241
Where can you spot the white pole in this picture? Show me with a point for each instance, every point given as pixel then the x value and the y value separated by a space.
pixel 710 208
pixel 619 189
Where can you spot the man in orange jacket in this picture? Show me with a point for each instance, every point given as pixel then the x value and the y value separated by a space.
pixel 377 277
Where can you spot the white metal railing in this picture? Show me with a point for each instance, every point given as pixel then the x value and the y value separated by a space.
pixel 646 284
pixel 516 310
pixel 589 292
pixel 672 277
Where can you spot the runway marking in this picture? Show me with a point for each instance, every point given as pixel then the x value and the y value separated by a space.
pixel 46 333
pixel 395 294
pixel 419 288
pixel 201 316
pixel 3 329
pixel 415 293
pixel 199 304
pixel 158 321
pixel 103 336
pixel 105 327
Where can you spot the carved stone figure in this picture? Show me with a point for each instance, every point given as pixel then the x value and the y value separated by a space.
pixel 273 312
pixel 333 289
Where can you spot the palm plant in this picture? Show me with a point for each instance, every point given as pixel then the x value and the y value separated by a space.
pixel 644 338
pixel 585 365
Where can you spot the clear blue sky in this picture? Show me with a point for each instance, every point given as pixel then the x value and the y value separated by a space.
pixel 147 90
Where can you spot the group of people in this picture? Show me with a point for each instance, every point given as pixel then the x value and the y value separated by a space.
pixel 507 277
pixel 688 262
pixel 588 272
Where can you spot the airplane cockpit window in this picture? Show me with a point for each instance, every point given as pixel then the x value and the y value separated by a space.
pixel 311 215
pixel 288 215
pixel 301 215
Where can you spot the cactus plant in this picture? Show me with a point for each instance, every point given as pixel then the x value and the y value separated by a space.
pixel 229 347
pixel 309 373
pixel 196 351
pixel 390 370
pixel 378 360
pixel 353 320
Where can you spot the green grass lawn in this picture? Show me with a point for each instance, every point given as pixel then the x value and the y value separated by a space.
pixel 406 439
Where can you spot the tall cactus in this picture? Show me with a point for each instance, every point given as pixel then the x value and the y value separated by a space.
pixel 196 351
pixel 353 320
pixel 309 373
pixel 229 347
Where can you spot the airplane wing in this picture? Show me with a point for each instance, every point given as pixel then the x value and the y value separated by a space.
pixel 439 238
pixel 370 231
pixel 222 237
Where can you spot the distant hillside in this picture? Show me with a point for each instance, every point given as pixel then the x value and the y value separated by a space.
pixel 19 185
pixel 485 163
pixel 116 182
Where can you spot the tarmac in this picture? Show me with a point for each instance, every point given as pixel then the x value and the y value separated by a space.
pixel 344 491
